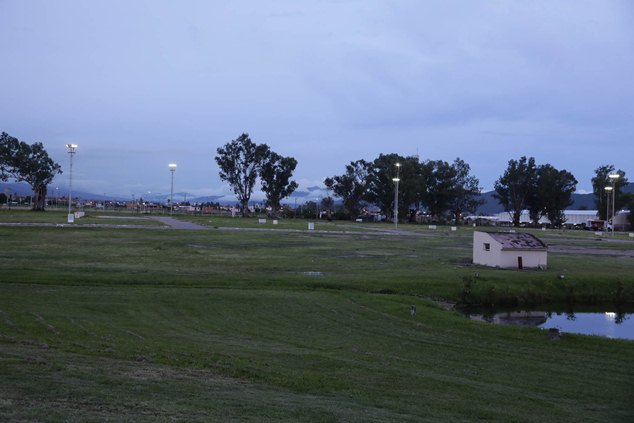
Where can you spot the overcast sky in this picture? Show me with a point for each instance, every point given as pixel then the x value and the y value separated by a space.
pixel 141 84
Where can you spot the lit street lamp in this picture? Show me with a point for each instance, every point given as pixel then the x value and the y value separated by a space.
pixel 608 190
pixel 71 153
pixel 396 181
pixel 172 167
pixel 613 176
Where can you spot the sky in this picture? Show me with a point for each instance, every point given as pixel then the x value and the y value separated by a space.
pixel 141 84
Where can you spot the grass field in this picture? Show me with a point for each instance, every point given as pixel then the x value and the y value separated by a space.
pixel 59 217
pixel 150 324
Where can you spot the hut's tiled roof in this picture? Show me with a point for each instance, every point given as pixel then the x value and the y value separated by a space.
pixel 518 241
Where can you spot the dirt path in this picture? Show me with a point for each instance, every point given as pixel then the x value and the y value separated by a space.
pixel 180 224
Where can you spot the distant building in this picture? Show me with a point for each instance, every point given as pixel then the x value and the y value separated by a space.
pixel 572 217
pixel 587 219
pixel 509 250
pixel 580 219
pixel 621 222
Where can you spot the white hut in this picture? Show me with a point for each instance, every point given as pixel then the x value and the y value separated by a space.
pixel 509 250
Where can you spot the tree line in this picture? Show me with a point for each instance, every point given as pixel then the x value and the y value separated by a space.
pixel 542 190
pixel 446 191
pixel 546 191
pixel 440 188
pixel 443 191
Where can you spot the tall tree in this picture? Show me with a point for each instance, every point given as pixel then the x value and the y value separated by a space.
pixel 28 163
pixel 239 162
pixel 466 190
pixel 381 186
pixel 600 181
pixel 438 195
pixel 351 187
pixel 412 184
pixel 517 187
pixel 275 174
pixel 554 191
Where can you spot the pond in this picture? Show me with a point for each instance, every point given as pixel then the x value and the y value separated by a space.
pixel 617 325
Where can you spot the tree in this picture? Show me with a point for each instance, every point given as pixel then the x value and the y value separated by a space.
pixel 554 193
pixel 450 188
pixel 411 185
pixel 466 190
pixel 517 187
pixel 28 163
pixel 328 205
pixel 600 181
pixel 275 173
pixel 381 185
pixel 239 162
pixel 309 209
pixel 351 187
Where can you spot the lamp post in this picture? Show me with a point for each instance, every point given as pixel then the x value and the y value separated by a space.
pixel 71 153
pixel 608 190
pixel 172 167
pixel 396 181
pixel 613 177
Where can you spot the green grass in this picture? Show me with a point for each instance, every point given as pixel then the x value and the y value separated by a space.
pixel 222 221
pixel 153 325
pixel 60 217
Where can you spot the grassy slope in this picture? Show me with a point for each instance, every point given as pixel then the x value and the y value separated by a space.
pixel 166 325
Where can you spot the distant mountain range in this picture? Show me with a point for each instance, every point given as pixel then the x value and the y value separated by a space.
pixel 299 197
pixel 315 193
pixel 24 190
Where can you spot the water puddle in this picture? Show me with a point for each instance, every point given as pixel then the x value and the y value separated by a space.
pixel 617 325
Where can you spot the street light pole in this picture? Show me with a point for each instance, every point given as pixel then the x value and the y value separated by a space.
pixel 607 205
pixel 71 152
pixel 396 181
pixel 172 168
pixel 613 176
